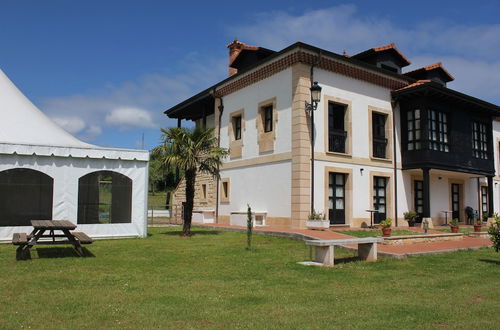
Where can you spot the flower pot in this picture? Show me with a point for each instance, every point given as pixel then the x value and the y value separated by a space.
pixel 318 224
pixel 411 223
pixel 386 231
pixel 454 229
pixel 477 228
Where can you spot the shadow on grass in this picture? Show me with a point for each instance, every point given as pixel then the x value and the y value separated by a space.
pixel 346 260
pixel 495 262
pixel 62 252
pixel 193 232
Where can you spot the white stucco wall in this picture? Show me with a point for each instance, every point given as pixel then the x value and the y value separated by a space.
pixel 267 188
pixel 362 95
pixel 248 98
pixel 361 187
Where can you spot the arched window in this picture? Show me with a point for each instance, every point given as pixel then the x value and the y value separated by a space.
pixel 104 197
pixel 25 195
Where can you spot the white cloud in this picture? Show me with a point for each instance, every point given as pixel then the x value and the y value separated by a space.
pixel 71 124
pixel 92 133
pixel 341 27
pixel 130 117
pixel 475 77
pixel 149 95
pixel 469 52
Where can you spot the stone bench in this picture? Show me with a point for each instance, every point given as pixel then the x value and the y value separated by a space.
pixel 324 249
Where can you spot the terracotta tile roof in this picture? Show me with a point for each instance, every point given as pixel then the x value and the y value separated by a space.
pixel 418 83
pixel 391 46
pixel 438 65
pixel 242 45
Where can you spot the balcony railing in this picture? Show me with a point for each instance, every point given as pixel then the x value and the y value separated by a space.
pixel 336 141
pixel 379 147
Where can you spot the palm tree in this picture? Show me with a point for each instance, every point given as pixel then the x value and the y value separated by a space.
pixel 191 151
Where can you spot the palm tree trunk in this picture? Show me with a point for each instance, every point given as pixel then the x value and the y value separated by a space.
pixel 190 176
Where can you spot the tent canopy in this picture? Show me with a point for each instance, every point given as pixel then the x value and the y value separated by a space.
pixel 25 130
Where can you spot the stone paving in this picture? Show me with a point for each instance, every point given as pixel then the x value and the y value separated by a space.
pixel 389 250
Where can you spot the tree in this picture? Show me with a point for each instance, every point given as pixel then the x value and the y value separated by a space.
pixel 156 173
pixel 191 151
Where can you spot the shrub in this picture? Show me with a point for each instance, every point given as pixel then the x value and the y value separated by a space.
pixel 316 216
pixel 386 223
pixel 249 227
pixel 454 222
pixel 410 215
pixel 494 232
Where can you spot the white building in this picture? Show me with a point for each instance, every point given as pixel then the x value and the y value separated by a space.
pixel 383 139
pixel 46 173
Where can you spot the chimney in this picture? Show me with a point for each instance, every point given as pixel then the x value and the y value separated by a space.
pixel 234 50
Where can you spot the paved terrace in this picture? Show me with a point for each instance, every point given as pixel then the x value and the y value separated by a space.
pixel 397 251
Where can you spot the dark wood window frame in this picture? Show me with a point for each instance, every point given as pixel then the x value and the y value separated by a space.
pixel 414 129
pixel 379 140
pixel 267 112
pixel 337 197
pixel 455 200
pixel 438 130
pixel 380 197
pixel 337 134
pixel 484 199
pixel 479 140
pixel 237 127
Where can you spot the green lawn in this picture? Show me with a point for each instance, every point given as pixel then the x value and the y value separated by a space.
pixel 157 200
pixel 211 281
pixel 463 230
pixel 377 233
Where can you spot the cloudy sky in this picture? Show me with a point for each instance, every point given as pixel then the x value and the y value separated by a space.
pixel 106 70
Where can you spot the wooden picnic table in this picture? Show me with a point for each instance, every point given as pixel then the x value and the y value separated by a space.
pixel 46 232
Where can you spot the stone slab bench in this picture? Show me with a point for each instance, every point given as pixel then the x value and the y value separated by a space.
pixel 324 249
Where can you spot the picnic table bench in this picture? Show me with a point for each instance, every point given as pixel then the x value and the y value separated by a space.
pixel 39 237
pixel 324 249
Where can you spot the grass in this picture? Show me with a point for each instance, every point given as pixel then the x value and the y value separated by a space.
pixel 464 230
pixel 157 200
pixel 377 233
pixel 211 281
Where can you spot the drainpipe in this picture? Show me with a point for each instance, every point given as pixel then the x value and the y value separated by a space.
pixel 221 110
pixel 312 134
pixel 394 161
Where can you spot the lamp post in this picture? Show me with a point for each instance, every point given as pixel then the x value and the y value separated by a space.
pixel 311 107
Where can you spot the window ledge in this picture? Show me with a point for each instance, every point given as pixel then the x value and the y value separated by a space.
pixel 385 160
pixel 344 155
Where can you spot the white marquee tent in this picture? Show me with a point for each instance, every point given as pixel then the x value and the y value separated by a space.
pixel 46 173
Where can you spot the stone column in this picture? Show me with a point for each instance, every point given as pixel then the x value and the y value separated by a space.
pixel 301 146
pixel 491 209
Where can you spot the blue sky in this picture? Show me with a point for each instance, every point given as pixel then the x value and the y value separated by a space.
pixel 106 70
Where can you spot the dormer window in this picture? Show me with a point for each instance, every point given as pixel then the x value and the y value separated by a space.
pixel 390 68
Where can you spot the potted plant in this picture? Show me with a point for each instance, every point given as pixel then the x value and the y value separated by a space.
pixel 485 216
pixel 411 217
pixel 454 225
pixel 386 227
pixel 478 225
pixel 316 220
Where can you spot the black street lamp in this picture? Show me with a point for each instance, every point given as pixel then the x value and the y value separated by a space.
pixel 311 107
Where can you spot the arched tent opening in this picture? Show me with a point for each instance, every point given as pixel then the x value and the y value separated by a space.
pixel 25 195
pixel 104 197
